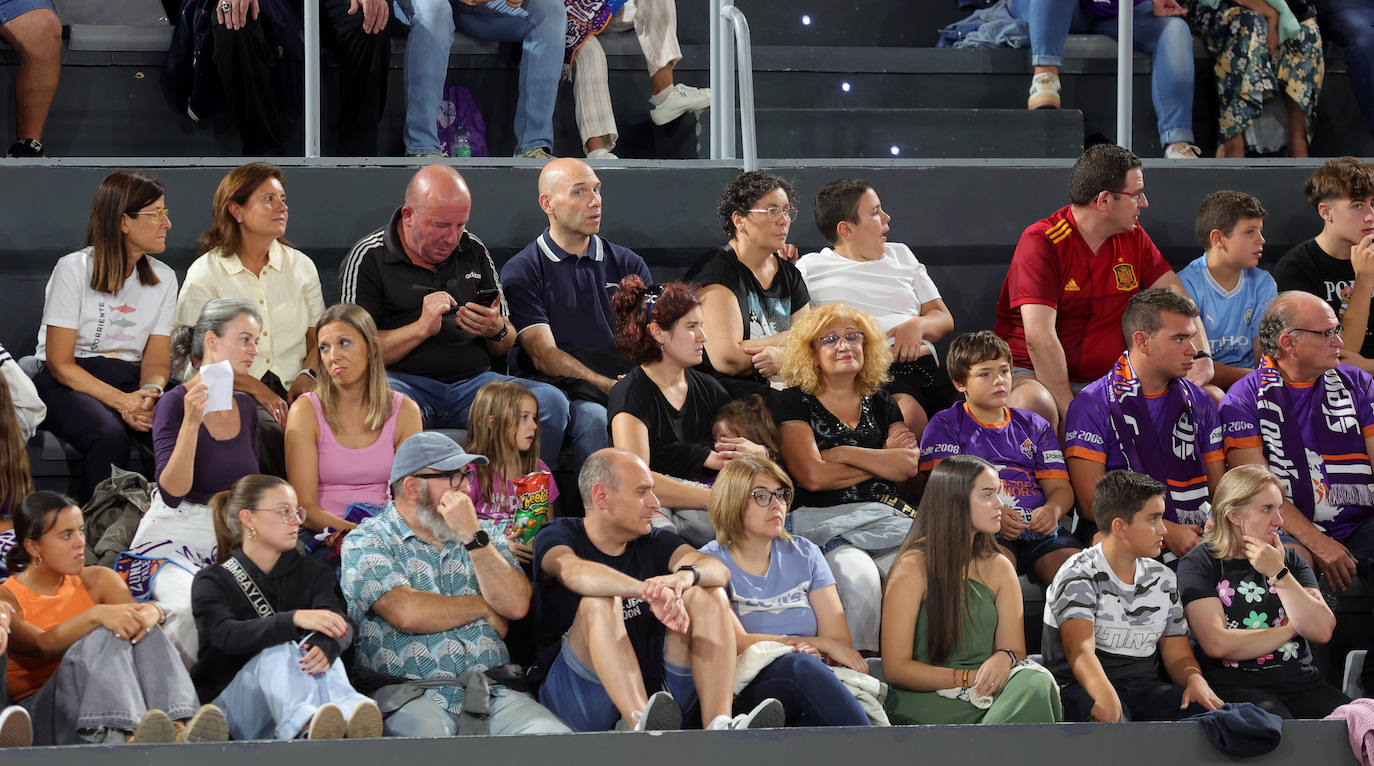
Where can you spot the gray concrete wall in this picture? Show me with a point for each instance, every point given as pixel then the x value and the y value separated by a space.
pixel 1305 743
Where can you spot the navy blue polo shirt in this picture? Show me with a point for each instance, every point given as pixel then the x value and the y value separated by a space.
pixel 546 285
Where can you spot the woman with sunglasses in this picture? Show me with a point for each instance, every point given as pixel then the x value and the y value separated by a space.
pixel 749 295
pixel 199 453
pixel 782 591
pixel 663 409
pixel 844 441
pixel 107 325
pixel 272 625
pixel 245 254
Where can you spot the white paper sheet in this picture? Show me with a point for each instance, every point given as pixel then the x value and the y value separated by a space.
pixel 219 380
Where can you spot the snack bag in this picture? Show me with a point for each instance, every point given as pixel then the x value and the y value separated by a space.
pixel 531 505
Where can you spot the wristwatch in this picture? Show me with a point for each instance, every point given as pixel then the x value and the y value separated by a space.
pixel 479 540
pixel 1279 575
pixel 1202 354
pixel 696 573
pixel 500 336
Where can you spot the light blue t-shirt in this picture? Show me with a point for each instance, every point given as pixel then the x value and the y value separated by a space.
pixel 1230 316
pixel 777 602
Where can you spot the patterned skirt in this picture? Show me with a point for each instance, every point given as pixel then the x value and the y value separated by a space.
pixel 1247 74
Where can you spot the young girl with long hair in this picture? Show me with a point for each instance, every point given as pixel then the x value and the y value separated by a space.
pixel 515 490
pixel 88 663
pixel 953 639
pixel 272 625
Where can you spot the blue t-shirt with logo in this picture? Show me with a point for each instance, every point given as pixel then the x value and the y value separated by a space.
pixel 1230 316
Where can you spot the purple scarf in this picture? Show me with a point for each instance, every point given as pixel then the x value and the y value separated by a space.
pixel 586 18
pixel 1166 450
pixel 1333 433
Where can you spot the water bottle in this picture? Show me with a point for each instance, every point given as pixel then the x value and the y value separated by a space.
pixel 462 147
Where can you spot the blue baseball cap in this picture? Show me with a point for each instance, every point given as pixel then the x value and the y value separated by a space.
pixel 430 449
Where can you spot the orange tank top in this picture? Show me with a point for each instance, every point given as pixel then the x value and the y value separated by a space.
pixel 28 674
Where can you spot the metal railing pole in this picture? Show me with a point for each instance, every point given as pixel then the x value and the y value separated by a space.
pixel 717 107
pixel 746 86
pixel 725 62
pixel 312 78
pixel 1125 69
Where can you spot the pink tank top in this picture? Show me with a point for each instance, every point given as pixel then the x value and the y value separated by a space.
pixel 350 476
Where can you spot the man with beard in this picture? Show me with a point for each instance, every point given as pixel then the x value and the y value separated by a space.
pixel 432 590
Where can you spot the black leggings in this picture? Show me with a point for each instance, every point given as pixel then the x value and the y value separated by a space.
pixel 1313 701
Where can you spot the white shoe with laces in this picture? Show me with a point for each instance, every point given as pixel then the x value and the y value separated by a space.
pixel 1044 92
pixel 766 715
pixel 679 100
pixel 601 154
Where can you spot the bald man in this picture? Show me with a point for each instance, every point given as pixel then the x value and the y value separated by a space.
pixel 1310 419
pixel 432 289
pixel 559 290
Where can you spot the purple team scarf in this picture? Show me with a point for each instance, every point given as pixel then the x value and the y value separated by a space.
pixel 586 18
pixel 1333 421
pixel 1167 450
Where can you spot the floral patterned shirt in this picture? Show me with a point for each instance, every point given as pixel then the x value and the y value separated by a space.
pixel 1248 603
pixel 384 553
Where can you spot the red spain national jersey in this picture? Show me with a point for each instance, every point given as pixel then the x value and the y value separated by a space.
pixel 1053 267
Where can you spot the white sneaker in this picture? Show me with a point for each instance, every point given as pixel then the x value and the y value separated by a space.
pixel 766 715
pixel 680 100
pixel 1044 92
pixel 1181 150
pixel 16 728
pixel 660 713
pixel 601 154
pixel 327 723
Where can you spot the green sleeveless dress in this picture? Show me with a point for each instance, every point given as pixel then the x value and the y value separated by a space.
pixel 1028 697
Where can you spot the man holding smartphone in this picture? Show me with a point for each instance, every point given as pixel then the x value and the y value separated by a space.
pixel 434 292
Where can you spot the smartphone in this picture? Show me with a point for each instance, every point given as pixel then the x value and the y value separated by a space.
pixel 487 296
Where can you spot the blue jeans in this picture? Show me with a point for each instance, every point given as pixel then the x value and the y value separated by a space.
pixel 1351 24
pixel 512 712
pixel 272 698
pixel 587 429
pixel 445 405
pixel 432 26
pixel 1166 40
pixel 810 693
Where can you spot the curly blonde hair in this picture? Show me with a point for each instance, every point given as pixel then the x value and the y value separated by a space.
pixel 800 367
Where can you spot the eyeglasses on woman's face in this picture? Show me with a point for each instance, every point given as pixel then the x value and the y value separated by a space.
pixel 290 514
pixel 764 498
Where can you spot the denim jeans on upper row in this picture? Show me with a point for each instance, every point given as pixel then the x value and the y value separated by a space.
pixel 1166 40
pixel 445 406
pixel 432 26
pixel 1350 23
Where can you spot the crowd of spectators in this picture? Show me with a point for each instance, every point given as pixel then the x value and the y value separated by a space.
pixel 774 488
pixel 241 57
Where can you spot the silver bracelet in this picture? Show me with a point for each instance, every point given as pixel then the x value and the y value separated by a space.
pixel 153 386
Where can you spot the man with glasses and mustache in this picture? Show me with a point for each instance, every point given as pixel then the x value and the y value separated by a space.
pixel 433 590
pixel 1070 278
pixel 1310 419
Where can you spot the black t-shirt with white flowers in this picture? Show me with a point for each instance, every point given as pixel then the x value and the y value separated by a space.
pixel 1248 603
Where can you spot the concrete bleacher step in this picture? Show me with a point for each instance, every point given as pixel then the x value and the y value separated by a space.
pixel 925 133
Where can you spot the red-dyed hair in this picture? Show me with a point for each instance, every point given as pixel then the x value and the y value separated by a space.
pixel 632 313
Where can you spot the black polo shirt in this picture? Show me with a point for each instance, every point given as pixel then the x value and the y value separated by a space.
pixel 378 275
